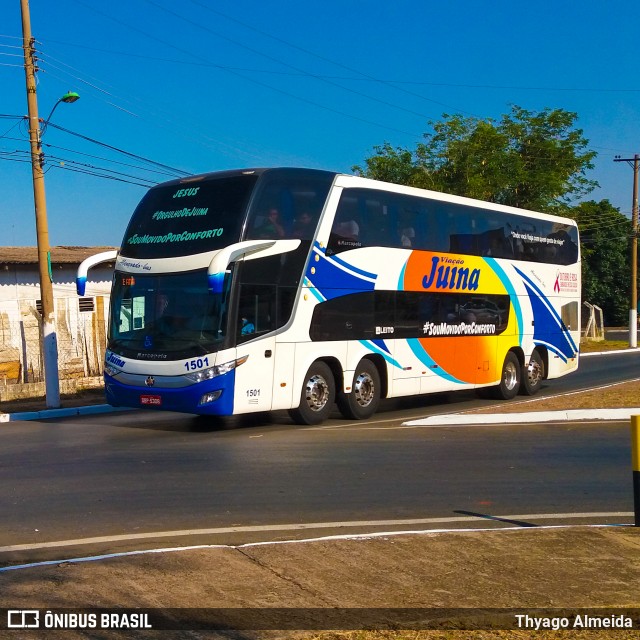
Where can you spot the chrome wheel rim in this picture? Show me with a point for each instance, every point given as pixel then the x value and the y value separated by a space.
pixel 317 393
pixel 510 376
pixel 364 389
pixel 534 373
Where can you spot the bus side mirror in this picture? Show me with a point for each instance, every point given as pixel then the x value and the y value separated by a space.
pixel 248 249
pixel 85 265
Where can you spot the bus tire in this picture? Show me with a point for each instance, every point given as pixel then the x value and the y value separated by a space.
pixel 363 399
pixel 532 375
pixel 510 378
pixel 317 396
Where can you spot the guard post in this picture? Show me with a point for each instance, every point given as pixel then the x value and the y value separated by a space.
pixel 635 463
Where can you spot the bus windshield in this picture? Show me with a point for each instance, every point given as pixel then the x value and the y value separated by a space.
pixel 167 316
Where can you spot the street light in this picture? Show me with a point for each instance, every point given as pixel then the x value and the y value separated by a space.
pixel 49 337
pixel 68 98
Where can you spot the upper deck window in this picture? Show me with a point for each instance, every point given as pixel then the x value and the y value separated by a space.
pixel 288 206
pixel 372 218
pixel 190 218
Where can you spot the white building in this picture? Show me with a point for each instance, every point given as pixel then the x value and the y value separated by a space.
pixel 80 322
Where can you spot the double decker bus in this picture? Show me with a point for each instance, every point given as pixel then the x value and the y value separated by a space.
pixel 300 289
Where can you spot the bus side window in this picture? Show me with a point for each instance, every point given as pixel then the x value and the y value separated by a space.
pixel 346 223
pixel 408 223
pixel 345 232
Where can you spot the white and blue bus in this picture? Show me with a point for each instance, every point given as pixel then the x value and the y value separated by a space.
pixel 299 289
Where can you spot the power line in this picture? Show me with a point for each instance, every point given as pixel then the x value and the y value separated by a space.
pixel 124 164
pixel 286 64
pixel 140 182
pixel 13 126
pixel 350 78
pixel 339 64
pixel 240 75
pixel 203 138
pixel 118 150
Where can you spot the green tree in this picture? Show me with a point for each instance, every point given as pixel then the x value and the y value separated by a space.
pixel 605 235
pixel 531 160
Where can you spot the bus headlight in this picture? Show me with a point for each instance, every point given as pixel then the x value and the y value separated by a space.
pixel 214 372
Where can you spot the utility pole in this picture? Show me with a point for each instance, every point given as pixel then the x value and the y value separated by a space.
pixel 49 337
pixel 633 311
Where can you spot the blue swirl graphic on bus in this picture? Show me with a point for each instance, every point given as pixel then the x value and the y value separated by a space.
pixel 333 277
pixel 549 329
pixel 330 277
pixel 509 288
pixel 420 352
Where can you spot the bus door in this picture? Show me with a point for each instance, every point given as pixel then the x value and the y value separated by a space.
pixel 256 320
pixel 254 379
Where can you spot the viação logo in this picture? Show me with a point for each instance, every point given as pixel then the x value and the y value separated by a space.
pixel 446 276
pixel 112 358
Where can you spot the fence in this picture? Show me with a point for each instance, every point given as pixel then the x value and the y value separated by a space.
pixel 81 337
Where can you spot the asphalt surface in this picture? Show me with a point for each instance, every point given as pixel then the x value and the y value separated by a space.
pixel 412 579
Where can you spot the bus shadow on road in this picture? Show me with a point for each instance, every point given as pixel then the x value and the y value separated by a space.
pixel 486 516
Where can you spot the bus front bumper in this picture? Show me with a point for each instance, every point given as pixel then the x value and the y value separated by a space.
pixel 209 397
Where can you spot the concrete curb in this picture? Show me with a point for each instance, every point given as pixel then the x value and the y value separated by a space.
pixel 431 421
pixel 532 416
pixel 60 413
pixel 606 353
pixel 544 416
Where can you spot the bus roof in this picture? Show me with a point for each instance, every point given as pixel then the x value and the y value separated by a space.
pixel 350 181
pixel 257 171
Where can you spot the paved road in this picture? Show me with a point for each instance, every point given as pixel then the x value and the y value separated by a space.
pixel 78 479
pixel 139 472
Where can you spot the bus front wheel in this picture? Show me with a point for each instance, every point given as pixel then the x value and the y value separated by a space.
pixel 363 399
pixel 317 396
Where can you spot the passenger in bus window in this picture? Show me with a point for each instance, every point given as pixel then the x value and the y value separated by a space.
pixel 303 226
pixel 162 302
pixel 347 227
pixel 496 248
pixel 162 322
pixel 407 236
pixel 271 226
pixel 247 327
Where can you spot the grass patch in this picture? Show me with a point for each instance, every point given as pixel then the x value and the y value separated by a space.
pixel 594 346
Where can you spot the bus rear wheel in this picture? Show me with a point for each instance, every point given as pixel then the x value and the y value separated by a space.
pixel 532 375
pixel 317 396
pixel 510 378
pixel 363 399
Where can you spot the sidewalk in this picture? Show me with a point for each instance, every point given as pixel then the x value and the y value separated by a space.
pixel 445 580
pixel 527 416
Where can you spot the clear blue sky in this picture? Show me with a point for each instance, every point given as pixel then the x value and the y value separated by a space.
pixel 205 85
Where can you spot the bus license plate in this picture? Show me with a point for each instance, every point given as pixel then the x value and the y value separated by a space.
pixel 155 401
